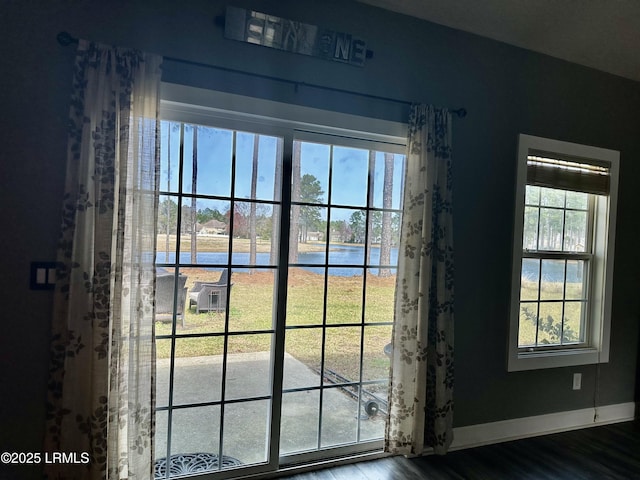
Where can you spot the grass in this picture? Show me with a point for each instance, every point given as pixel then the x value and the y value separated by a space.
pixel 251 308
pixel 220 243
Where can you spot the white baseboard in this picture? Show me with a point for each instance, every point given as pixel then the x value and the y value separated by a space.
pixel 514 429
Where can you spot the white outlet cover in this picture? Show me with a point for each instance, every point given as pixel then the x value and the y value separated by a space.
pixel 577 381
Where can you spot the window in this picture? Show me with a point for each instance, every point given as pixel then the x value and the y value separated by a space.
pixel 276 260
pixel 563 254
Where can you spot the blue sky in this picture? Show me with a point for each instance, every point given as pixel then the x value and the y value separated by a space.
pixel 215 158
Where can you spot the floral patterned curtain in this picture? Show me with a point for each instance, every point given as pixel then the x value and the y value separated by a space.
pixel 421 389
pixel 101 388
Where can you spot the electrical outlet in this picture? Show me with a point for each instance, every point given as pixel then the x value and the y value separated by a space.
pixel 577 381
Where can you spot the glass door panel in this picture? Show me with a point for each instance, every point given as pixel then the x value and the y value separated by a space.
pixel 344 235
pixel 216 299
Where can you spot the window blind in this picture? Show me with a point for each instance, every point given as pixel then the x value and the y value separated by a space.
pixel 575 174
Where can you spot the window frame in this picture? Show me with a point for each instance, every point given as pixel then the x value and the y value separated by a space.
pixel 585 256
pixel 595 349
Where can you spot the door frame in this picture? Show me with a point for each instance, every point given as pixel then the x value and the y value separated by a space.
pixel 264 117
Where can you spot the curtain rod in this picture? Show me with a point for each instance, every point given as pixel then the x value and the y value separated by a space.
pixel 66 39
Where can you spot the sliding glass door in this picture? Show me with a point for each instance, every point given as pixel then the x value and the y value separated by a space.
pixel 344 232
pixel 276 258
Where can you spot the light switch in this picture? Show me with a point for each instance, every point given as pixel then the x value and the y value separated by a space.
pixel 43 275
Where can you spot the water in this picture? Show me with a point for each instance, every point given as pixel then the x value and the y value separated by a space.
pixel 339 255
pixel 553 270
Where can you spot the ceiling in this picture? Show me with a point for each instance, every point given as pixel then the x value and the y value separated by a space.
pixel 602 34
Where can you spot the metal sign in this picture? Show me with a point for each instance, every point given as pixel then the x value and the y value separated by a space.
pixel 291 36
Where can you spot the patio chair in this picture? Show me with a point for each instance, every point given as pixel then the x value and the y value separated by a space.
pixel 165 295
pixel 210 296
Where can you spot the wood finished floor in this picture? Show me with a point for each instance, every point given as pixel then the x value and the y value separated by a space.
pixel 606 452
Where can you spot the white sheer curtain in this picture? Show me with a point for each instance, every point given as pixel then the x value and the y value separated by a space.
pixel 102 386
pixel 421 390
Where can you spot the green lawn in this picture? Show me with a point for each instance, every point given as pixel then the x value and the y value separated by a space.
pixel 251 308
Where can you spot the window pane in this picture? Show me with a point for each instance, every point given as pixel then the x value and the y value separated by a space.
pixel 552 197
pixel 391 167
pixel 573 330
pixel 550 323
pixel 552 285
pixel 530 279
pixel 205 300
pixel 379 296
pixel 248 366
pixel 375 364
pixel 577 200
pixel 530 228
pixel 255 229
pixel 170 299
pixel 305 297
pixel 312 226
pixel 550 233
pixel 528 324
pixel 160 439
pixel 210 150
pixel 163 353
pixel 212 222
pixel 575 231
pixel 344 296
pixel 383 254
pixel 299 422
pixel 311 178
pixel 303 358
pixel 347 226
pixel 377 222
pixel 576 276
pixel 252 300
pixel 342 354
pixel 349 176
pixel 244 437
pixel 256 159
pixel 532 195
pixel 197 373
pixel 207 242
pixel 183 437
pixel 339 417
pixel 373 410
pixel 167 228
pixel 169 156
pixel 308 234
pixel 310 191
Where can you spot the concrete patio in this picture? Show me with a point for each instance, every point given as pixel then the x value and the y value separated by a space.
pixel 197 380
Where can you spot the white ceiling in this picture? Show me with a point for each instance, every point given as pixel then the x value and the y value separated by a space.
pixel 602 34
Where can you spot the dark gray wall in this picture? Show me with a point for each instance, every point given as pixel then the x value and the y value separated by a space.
pixel 506 91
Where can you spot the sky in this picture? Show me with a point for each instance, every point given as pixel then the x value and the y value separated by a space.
pixel 215 147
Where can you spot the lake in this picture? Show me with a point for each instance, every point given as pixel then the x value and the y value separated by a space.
pixel 343 259
pixel 552 270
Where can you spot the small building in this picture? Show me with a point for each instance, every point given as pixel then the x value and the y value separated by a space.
pixel 212 227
